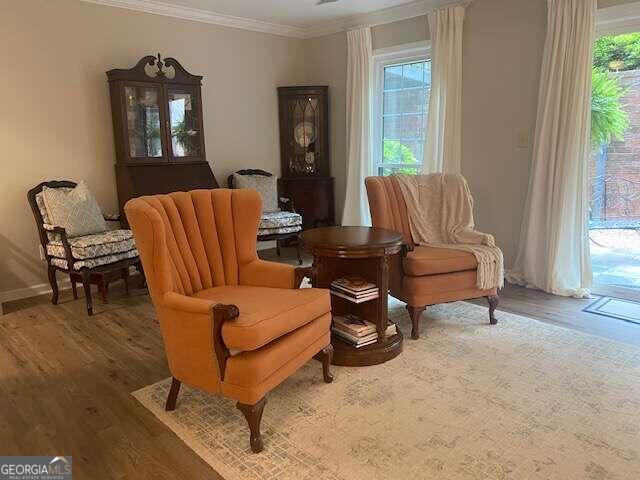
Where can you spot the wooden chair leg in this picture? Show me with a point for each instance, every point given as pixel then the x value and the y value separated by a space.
pixel 415 313
pixel 253 415
pixel 138 267
pixel 493 300
pixel 125 277
pixel 325 356
pixel 278 248
pixel 173 395
pixel 51 271
pixel 299 252
pixel 86 283
pixel 74 289
pixel 104 290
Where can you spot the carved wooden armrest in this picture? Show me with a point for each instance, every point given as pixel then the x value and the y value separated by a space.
pixel 220 314
pixel 301 273
pixel 406 248
pixel 65 243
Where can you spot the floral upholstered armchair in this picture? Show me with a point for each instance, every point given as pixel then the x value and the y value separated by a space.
pixel 279 220
pixel 75 239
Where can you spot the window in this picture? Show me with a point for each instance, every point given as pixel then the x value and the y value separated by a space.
pixel 402 84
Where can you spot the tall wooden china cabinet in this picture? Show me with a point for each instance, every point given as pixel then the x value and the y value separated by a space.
pixel 158 128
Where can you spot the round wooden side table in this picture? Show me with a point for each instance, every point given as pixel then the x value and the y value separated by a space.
pixel 364 252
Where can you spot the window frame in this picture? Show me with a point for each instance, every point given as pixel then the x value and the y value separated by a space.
pixel 383 58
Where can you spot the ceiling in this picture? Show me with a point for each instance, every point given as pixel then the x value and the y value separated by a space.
pixel 292 18
pixel 299 13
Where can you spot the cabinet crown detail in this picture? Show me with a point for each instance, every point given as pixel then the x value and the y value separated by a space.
pixel 165 70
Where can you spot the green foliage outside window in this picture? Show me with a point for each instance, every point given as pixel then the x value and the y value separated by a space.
pixel 617 52
pixel 396 152
pixel 609 120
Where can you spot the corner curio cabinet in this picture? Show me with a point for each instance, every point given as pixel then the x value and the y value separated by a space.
pixel 304 153
pixel 158 129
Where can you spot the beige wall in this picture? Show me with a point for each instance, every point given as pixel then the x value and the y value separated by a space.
pixel 503 43
pixel 326 64
pixel 398 33
pixel 55 119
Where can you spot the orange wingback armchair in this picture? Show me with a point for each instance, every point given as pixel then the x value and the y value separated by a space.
pixel 232 324
pixel 422 275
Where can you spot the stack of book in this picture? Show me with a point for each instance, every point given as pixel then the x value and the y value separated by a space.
pixel 354 289
pixel 356 331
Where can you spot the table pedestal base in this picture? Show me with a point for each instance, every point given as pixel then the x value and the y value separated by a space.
pixel 348 356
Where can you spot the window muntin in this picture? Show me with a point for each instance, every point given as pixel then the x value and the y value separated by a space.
pixel 403 93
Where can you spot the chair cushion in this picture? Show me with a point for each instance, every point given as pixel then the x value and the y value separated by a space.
pixel 96 262
pixel 76 210
pixel 279 219
pixel 435 289
pixel 434 261
pixel 97 245
pixel 266 187
pixel 266 313
pixel 279 231
pixel 249 369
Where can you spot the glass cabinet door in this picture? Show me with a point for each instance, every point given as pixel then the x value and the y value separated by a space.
pixel 304 121
pixel 143 121
pixel 185 123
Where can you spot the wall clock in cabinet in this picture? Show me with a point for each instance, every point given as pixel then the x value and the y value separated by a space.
pixel 158 128
pixel 304 153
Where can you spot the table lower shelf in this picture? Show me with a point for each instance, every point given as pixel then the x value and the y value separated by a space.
pixel 349 356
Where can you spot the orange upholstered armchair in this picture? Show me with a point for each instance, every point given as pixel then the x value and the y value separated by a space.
pixel 422 275
pixel 232 324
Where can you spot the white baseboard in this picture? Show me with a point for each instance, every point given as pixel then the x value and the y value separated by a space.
pixel 32 291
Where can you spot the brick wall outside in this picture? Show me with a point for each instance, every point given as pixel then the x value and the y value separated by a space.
pixel 621 179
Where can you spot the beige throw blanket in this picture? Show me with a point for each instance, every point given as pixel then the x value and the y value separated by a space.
pixel 440 210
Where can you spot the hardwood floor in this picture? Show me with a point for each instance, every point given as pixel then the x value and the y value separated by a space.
pixel 565 312
pixel 65 389
pixel 66 380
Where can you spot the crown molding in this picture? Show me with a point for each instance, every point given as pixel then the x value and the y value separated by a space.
pixel 204 16
pixel 618 19
pixel 379 17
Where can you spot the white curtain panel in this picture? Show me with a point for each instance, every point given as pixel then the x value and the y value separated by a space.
pixel 356 210
pixel 553 253
pixel 443 144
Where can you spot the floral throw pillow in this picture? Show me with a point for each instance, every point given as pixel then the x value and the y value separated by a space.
pixel 76 210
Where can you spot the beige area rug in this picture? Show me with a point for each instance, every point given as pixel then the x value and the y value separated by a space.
pixel 521 400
